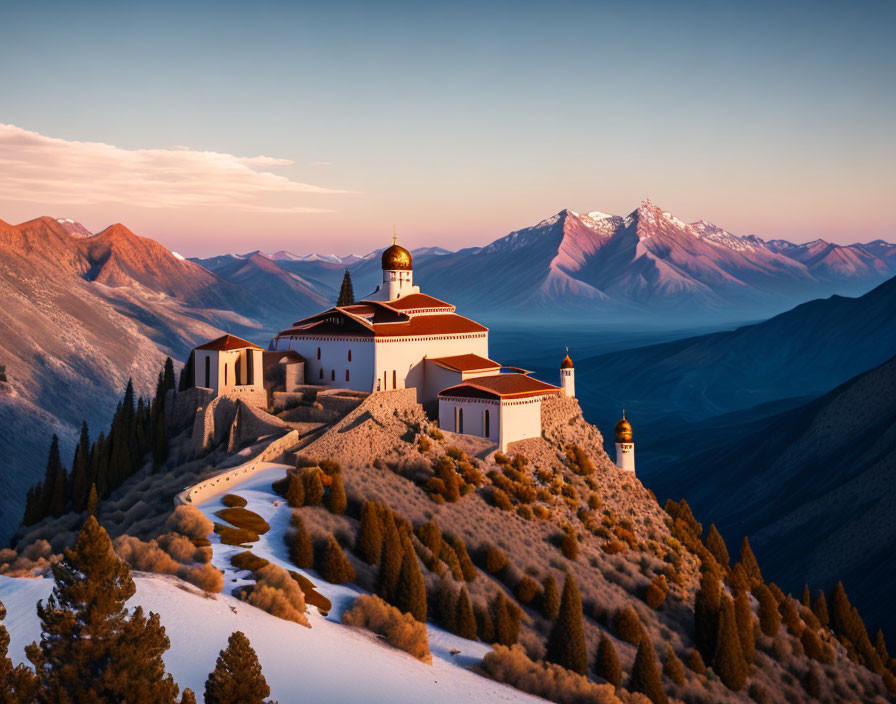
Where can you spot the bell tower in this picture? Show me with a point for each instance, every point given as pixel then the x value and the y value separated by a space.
pixel 625 445
pixel 568 376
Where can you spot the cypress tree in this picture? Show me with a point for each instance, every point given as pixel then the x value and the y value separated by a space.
pixel 314 487
pixel 820 609
pixel 369 545
pixel 347 291
pixel 806 599
pixel 606 663
pixel 841 611
pixel 168 381
pixel 431 537
pixel 18 684
pixel 87 629
pixel 484 624
pixel 646 675
pixel 695 662
pixel 728 661
pixel 334 565
pixel 466 564
pixel 295 491
pixel 81 470
pixel 336 501
pixel 92 501
pixel 33 500
pixel 504 619
pixel 188 697
pixel 672 666
pixel 550 598
pixel 301 549
pixel 880 645
pixel 716 545
pixel 237 677
pixel 51 474
pixel 391 558
pixel 566 642
pixel 744 617
pixel 464 619
pixel 751 566
pixel 447 606
pixel 570 545
pixel 59 498
pixel 410 590
pixel 706 610
pixel 159 433
pixel 769 616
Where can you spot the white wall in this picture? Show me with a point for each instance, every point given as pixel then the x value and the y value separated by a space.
pixel 474 416
pixel 199 369
pixel 625 456
pixel 568 382
pixel 520 419
pixel 224 363
pixel 334 358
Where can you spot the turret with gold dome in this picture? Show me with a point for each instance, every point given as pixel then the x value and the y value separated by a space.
pixel 398 274
pixel 625 444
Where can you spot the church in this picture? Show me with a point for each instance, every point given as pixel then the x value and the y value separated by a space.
pixel 397 338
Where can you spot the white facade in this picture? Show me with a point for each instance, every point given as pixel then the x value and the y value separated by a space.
pixel 625 456
pixel 502 421
pixel 396 283
pixel 568 381
pixel 232 372
pixel 335 361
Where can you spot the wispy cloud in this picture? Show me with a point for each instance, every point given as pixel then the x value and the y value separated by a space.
pixel 39 169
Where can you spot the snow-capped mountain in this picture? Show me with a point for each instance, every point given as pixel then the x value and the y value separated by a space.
pixel 74 228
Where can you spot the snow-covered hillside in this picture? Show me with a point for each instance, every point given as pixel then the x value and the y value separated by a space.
pixel 329 662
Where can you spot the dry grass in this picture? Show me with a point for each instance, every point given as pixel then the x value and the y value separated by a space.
pixel 235 536
pixel 233 501
pixel 189 521
pixel 245 519
pixel 247 560
pixel 401 631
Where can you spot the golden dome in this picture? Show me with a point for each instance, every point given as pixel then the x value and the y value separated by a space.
pixel 567 361
pixel 397 257
pixel 623 430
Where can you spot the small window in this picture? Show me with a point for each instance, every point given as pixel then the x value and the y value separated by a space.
pixel 208 372
pixel 346 374
pixel 485 423
pixel 394 379
pixel 349 355
pixel 225 375
pixel 321 373
pixel 318 352
pixel 332 375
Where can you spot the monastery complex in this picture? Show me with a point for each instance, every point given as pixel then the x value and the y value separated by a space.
pixel 395 338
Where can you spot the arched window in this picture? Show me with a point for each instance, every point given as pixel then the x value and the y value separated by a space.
pixel 460 420
pixel 225 375
pixel 485 423
pixel 237 371
pixel 332 375
pixel 346 374
pixel 349 355
pixel 208 372
pixel 321 372
pixel 394 379
pixel 318 352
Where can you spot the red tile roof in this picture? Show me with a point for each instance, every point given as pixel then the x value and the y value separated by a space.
pixel 438 324
pixel 500 386
pixel 465 363
pixel 381 321
pixel 418 300
pixel 228 342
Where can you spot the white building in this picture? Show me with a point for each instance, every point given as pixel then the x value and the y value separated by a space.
pixel 231 366
pixel 568 376
pixel 398 337
pixel 625 445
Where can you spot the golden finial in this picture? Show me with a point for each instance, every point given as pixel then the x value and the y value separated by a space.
pixel 623 414
pixel 394 235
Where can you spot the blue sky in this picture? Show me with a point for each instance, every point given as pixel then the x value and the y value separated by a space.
pixel 455 122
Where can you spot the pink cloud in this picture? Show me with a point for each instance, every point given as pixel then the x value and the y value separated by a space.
pixel 38 169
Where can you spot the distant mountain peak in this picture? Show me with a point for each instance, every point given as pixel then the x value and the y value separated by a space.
pixel 74 228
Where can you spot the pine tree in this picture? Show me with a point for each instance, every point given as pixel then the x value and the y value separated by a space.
pixel 295 491
pixel 87 629
pixel 820 609
pixel 17 683
pixel 168 383
pixel 369 545
pixel 841 611
pixel 391 558
pixel 646 675
pixel 237 677
pixel 566 642
pixel 728 660
pixel 880 645
pixel 447 605
pixel 466 564
pixel 336 501
pixel 81 470
pixel 706 610
pixel 347 291
pixel 53 471
pixel 570 545
pixel 744 617
pixel 769 616
pixel 92 501
pixel 484 624
pixel 716 545
pixel 695 662
pixel 606 663
pixel 314 487
pixel 33 508
pixel 550 598
pixel 59 497
pixel 301 548
pixel 672 666
pixel 464 619
pixel 806 599
pixel 751 566
pixel 334 565
pixel 505 620
pixel 188 697
pixel 159 433
pixel 410 590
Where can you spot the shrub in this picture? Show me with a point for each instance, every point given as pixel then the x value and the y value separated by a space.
pixel 524 512
pixel 695 662
pixel 301 549
pixel 672 667
pixel 570 545
pixel 512 666
pixel 333 565
pixel 278 594
pixel 369 544
pixel 423 444
pixel 542 513
pixel 400 630
pixel 313 486
pixel 501 458
pixel 578 461
pixel 244 518
pixel 606 663
pixel 235 536
pixel 454 453
pixel 232 500
pixel 247 561
pixel 527 590
pixel 435 433
pixel 295 491
pixel 495 559
pixel 656 592
pixel 336 501
pixel 189 521
pixel 147 557
pixel 501 499
pixel 628 625
pixel 550 598
pixel 614 547
pixel 594 501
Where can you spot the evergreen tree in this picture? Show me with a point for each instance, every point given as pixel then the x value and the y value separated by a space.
pixel 314 487
pixel 370 534
pixel 550 598
pixel 92 500
pixel 188 697
pixel 237 677
pixel 716 545
pixel 566 642
pixel 484 624
pixel 347 291
pixel 728 661
pixel 81 470
pixel 159 433
pixel 33 508
pixel 841 611
pixel 187 374
pixel 447 605
pixel 301 548
pixel 295 491
pixel 464 619
pixel 53 471
pixel 391 558
pixel 646 675
pixel 695 662
pixel 59 497
pixel 466 564
pixel 706 610
pixel 751 566
pixel 769 616
pixel 505 618
pixel 744 616
pixel 334 565
pixel 820 609
pixel 606 664
pixel 672 666
pixel 18 684
pixel 336 501
pixel 806 599
pixel 168 382
pixel 410 590
pixel 880 645
pixel 87 629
